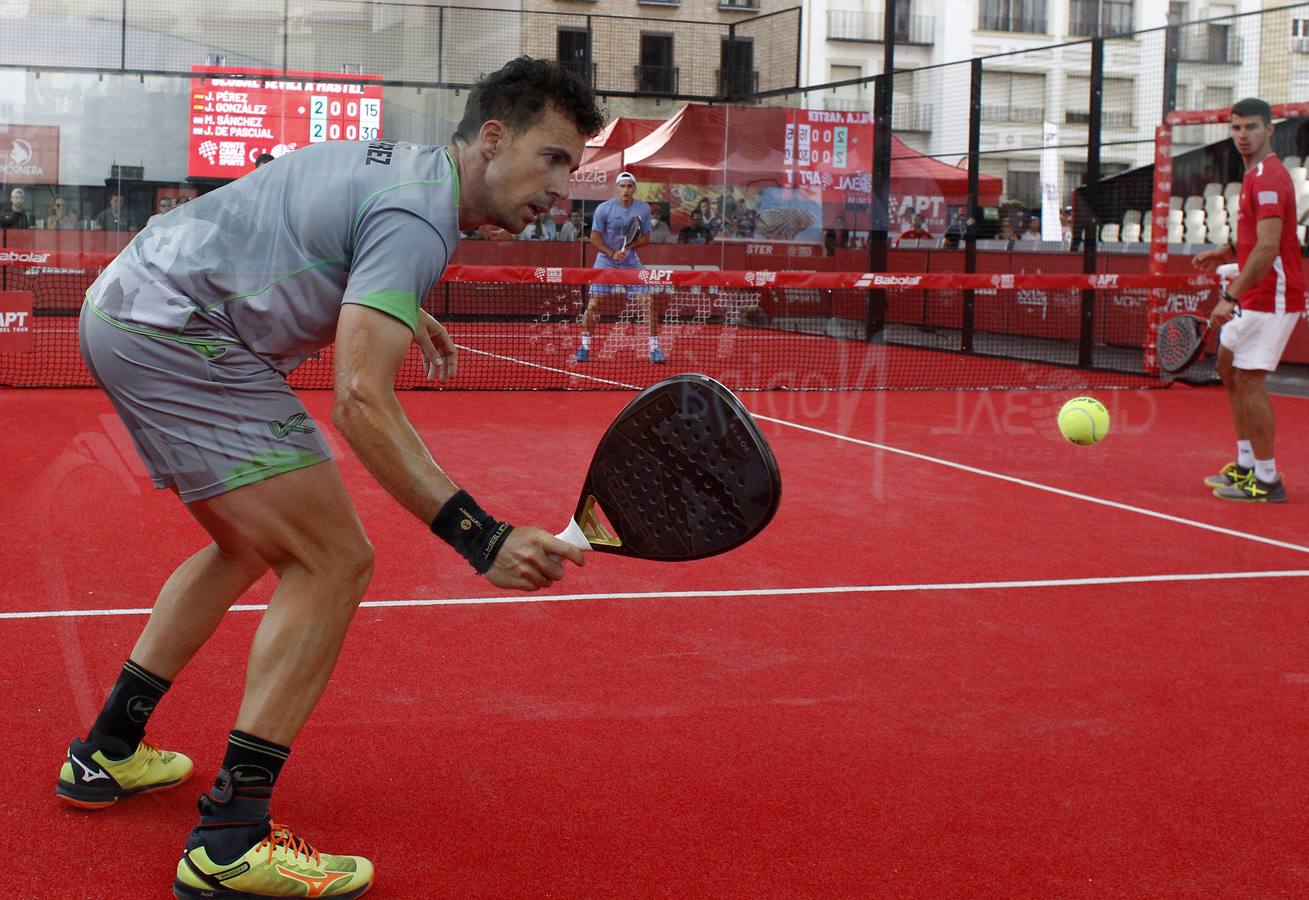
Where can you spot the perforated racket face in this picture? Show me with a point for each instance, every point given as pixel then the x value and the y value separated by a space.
pixel 1180 342
pixel 683 473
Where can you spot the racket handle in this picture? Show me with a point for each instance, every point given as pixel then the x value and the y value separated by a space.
pixel 573 535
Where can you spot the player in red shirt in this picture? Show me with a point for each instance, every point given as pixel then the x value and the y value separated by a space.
pixel 1270 290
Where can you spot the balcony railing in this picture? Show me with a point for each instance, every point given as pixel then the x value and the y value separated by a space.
pixel 851 25
pixel 905 114
pixel 735 82
pixel 909 116
pixel 1005 22
pixel 656 79
pixel 1029 115
pixel 1108 118
pixel 739 5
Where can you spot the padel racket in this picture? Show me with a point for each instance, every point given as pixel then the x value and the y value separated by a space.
pixel 1180 341
pixel 682 473
pixel 632 233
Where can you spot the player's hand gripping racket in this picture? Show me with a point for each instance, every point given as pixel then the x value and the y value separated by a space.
pixel 682 473
pixel 1180 341
pixel 631 234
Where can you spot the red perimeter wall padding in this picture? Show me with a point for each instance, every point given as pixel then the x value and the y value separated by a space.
pixel 735 255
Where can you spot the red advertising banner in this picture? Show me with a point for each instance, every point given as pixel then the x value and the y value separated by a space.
pixel 238 114
pixel 16 322
pixel 29 154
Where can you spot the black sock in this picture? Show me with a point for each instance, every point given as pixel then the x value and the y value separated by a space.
pixel 234 814
pixel 127 709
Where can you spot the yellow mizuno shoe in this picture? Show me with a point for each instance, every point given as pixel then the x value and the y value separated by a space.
pixel 90 780
pixel 281 865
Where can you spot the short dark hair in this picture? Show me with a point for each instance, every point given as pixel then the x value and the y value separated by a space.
pixel 1253 106
pixel 517 95
pixel 263 159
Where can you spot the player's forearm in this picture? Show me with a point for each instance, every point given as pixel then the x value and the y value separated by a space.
pixel 600 245
pixel 376 428
pixel 1256 267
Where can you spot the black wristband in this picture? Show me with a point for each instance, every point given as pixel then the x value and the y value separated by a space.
pixel 476 536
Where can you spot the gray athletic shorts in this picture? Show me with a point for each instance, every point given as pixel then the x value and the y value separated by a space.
pixel 206 416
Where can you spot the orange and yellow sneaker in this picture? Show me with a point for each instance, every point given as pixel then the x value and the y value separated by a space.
pixel 91 780
pixel 281 865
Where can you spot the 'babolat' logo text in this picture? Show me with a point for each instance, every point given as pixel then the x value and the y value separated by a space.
pixel 875 279
pixel 28 256
pixel 380 152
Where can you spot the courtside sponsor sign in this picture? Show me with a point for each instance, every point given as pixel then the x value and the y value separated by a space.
pixel 15 321
pixel 29 154
pixel 878 280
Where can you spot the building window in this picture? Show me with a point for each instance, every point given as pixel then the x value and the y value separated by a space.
pixel 1013 97
pixel 1115 17
pixel 736 72
pixel 1217 97
pixel 1075 172
pixel 656 74
pixel 849 97
pixel 1024 188
pixel 1117 102
pixel 1013 15
pixel 573 47
pixel 1177 12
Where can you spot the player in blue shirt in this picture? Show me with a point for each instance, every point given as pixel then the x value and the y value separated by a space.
pixel 608 232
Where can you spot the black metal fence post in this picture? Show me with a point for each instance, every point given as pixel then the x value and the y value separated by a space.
pixel 1086 338
pixel 974 204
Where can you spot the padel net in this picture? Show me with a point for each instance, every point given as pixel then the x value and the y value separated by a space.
pixel 518 327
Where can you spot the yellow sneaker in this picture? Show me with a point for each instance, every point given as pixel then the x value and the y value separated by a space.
pixel 90 780
pixel 281 865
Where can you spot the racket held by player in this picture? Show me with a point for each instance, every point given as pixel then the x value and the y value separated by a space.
pixel 682 473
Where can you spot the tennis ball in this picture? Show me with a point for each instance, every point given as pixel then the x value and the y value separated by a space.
pixel 1084 420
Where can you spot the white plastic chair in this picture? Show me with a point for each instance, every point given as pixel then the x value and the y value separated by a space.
pixel 1219 235
pixel 1175 233
pixel 1215 217
pixel 1132 217
pixel 1176 217
pixel 1297 176
pixel 1193 202
pixel 1232 194
pixel 1212 189
pixel 1292 161
pixel 1109 233
pixel 1175 202
pixel 1195 234
pixel 1131 233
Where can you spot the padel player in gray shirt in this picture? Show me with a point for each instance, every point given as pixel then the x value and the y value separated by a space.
pixel 191 331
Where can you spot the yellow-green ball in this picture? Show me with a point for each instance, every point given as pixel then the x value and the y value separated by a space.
pixel 1084 420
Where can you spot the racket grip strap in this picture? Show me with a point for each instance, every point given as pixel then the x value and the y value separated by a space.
pixel 474 534
pixel 574 535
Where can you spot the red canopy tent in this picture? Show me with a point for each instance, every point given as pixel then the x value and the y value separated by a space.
pixel 718 148
pixel 602 159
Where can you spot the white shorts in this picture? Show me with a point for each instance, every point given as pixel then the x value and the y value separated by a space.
pixel 1257 339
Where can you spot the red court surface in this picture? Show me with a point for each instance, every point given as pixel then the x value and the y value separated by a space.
pixel 966 659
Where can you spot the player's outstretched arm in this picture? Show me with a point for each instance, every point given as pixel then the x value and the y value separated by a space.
pixel 370 347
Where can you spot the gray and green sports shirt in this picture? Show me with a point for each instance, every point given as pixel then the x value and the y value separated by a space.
pixel 267 260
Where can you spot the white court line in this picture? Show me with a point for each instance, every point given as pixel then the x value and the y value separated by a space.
pixel 744 592
pixel 1205 526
